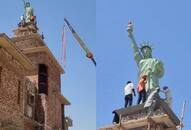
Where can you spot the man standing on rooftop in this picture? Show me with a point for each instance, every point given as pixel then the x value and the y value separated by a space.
pixel 129 91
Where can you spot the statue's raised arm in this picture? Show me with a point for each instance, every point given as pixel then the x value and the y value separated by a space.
pixel 137 54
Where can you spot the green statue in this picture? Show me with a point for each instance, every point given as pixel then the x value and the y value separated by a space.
pixel 28 12
pixel 147 65
pixel 28 20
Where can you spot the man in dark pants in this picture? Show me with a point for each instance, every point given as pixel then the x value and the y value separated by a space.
pixel 141 89
pixel 129 91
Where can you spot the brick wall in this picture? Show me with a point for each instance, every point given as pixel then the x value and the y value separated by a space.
pixel 50 104
pixel 28 41
pixel 11 92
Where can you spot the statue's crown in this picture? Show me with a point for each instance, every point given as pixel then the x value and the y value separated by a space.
pixel 27 4
pixel 146 45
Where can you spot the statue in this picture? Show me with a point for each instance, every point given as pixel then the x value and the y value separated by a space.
pixel 28 12
pixel 147 65
pixel 28 20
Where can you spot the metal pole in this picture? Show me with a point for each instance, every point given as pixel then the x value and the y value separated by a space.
pixel 79 40
pixel 77 37
pixel 182 114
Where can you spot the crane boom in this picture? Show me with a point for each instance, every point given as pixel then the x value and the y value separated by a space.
pixel 79 40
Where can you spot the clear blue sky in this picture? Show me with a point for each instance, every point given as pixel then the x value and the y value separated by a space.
pixel 78 83
pixel 166 24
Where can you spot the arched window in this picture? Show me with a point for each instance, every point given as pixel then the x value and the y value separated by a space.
pixel 43 79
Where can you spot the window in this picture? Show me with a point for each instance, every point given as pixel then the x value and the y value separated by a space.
pixel 0 75
pixel 43 79
pixel 19 92
pixel 30 107
pixel 30 99
pixel 62 116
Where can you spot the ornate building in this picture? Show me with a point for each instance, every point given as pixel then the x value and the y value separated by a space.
pixel 30 81
pixel 158 117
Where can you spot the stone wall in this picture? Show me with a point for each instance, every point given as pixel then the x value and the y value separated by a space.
pixel 50 104
pixel 28 41
pixel 11 92
pixel 53 72
pixel 48 108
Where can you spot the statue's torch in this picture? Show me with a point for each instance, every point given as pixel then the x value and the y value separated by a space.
pixel 130 27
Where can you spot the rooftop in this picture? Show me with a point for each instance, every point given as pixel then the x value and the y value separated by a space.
pixel 137 116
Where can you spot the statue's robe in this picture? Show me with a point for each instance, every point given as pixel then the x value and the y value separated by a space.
pixel 29 14
pixel 154 70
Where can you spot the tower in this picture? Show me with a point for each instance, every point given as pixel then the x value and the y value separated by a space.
pixel 46 112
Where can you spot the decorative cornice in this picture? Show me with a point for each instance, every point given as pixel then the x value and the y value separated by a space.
pixel 35 36
pixel 6 43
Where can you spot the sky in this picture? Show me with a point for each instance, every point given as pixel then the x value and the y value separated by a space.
pixel 95 93
pixel 163 23
pixel 78 82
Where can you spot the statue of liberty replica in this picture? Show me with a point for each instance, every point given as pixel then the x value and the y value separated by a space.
pixel 155 113
pixel 28 12
pixel 28 20
pixel 149 66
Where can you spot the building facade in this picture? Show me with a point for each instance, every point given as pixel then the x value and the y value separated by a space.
pixel 30 83
pixel 159 116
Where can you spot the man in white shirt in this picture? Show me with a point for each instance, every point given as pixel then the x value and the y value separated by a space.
pixel 129 91
pixel 168 95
